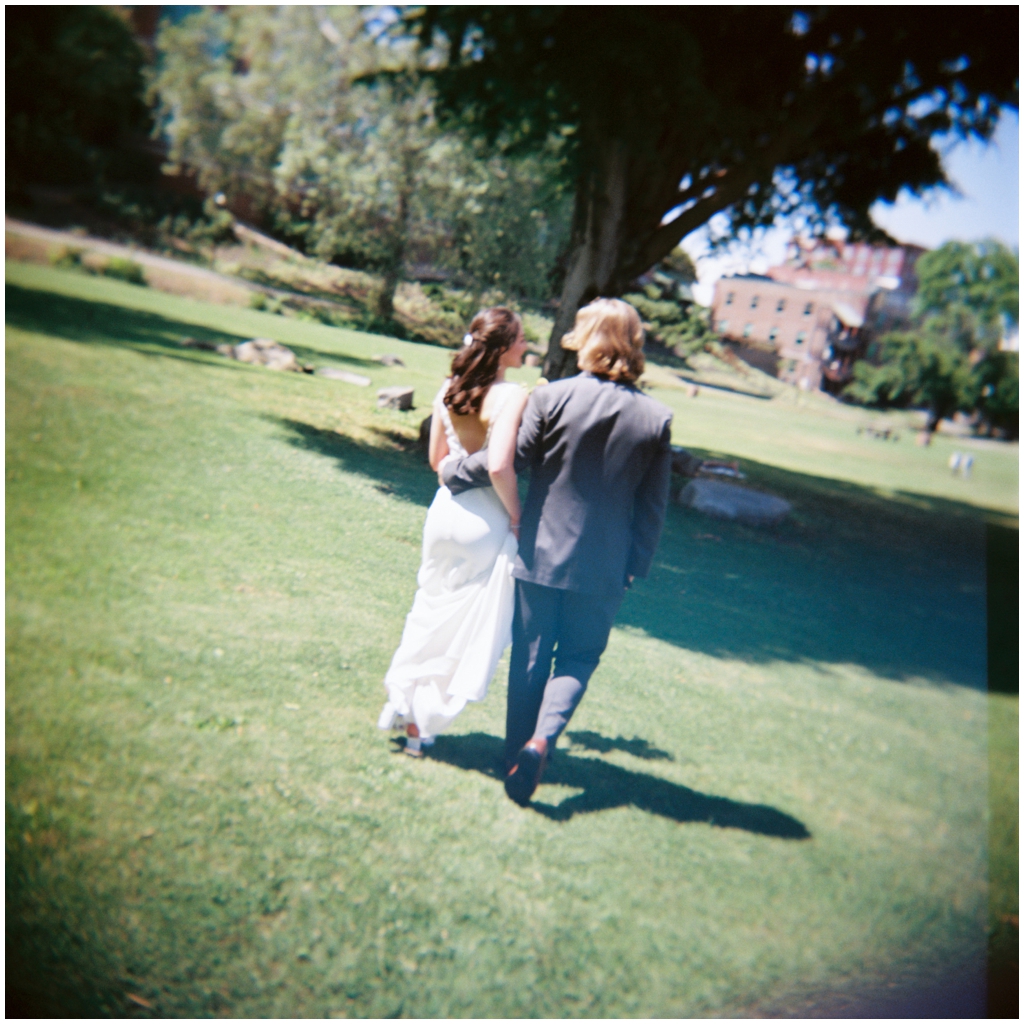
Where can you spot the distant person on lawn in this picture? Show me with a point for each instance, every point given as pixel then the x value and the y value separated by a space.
pixel 599 457
pixel 461 617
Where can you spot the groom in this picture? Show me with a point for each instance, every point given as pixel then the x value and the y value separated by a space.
pixel 598 453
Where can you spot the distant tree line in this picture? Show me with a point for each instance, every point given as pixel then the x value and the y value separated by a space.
pixel 953 359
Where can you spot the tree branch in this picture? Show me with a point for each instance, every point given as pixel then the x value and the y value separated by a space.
pixel 665 238
pixel 734 185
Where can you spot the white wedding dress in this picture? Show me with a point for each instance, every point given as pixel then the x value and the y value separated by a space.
pixel 461 618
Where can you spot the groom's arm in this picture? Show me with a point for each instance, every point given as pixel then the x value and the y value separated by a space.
pixel 464 474
pixel 649 506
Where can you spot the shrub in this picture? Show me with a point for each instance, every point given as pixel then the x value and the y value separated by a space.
pixel 66 258
pixel 124 270
pixel 683 328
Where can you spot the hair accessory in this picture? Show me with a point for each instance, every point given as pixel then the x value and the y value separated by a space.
pixel 467 339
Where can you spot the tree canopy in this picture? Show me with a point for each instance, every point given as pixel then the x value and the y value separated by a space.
pixel 676 113
pixel 982 276
pixel 74 95
pixel 272 107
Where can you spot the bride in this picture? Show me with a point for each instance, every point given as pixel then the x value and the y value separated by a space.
pixel 461 618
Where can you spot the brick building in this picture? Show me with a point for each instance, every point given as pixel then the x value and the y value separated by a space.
pixel 808 320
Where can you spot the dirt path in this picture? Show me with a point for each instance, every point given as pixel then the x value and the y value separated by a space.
pixel 24 241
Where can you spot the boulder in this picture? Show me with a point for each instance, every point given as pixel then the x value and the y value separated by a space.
pixel 396 397
pixel 388 360
pixel 332 373
pixel 268 353
pixel 685 463
pixel 733 501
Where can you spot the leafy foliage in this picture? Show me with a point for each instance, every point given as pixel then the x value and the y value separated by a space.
pixel 124 270
pixel 983 277
pixel 828 109
pixel 683 328
pixel 74 95
pixel 273 108
pixel 671 319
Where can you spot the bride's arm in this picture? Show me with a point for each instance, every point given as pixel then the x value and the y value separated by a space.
pixel 501 454
pixel 437 447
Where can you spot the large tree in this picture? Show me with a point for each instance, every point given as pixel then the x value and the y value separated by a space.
pixel 677 113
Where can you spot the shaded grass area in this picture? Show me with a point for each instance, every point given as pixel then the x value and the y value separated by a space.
pixel 207 575
pixel 829 441
pixel 851 577
pixel 89 321
pixel 605 786
pixel 896 586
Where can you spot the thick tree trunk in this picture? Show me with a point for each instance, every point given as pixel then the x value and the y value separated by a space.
pixel 618 231
pixel 385 306
pixel 596 250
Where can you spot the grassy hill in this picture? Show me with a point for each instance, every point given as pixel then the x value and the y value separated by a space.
pixel 776 797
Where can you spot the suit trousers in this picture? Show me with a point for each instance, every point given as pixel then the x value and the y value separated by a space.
pixel 560 626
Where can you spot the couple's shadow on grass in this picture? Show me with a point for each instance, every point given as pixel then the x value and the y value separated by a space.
pixel 605 786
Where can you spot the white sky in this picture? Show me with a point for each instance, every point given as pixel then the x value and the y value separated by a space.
pixel 987 177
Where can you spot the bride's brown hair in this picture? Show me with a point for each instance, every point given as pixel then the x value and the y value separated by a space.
pixel 474 368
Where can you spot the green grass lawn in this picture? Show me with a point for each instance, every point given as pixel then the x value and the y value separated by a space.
pixel 777 792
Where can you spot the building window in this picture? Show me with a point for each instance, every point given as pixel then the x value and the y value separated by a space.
pixel 773 334
pixel 801 337
pixel 747 330
pixel 723 325
pixel 809 309
pixel 754 301
pixel 780 305
pixel 729 298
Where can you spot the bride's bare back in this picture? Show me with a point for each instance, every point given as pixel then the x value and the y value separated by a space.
pixel 472 429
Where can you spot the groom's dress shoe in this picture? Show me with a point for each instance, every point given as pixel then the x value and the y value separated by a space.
pixel 524 777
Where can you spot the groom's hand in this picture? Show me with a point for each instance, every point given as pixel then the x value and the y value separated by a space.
pixel 440 468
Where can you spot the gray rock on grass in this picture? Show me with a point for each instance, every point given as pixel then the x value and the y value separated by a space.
pixel 733 501
pixel 395 398
pixel 388 360
pixel 268 353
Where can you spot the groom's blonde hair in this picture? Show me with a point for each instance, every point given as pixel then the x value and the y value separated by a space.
pixel 608 338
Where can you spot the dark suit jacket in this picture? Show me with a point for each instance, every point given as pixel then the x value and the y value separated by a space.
pixel 599 458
